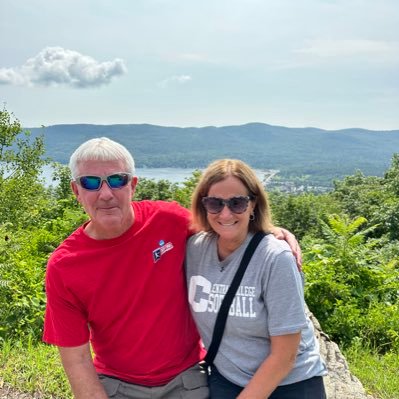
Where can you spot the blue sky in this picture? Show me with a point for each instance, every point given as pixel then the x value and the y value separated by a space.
pixel 331 64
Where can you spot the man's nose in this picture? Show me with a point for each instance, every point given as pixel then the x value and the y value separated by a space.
pixel 105 190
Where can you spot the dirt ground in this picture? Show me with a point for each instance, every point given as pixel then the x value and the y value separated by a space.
pixel 9 393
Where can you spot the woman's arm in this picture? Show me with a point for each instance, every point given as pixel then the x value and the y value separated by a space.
pixel 82 376
pixel 274 368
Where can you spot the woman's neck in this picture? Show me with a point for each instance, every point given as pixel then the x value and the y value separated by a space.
pixel 226 248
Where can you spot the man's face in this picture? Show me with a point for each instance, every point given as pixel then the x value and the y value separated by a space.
pixel 110 210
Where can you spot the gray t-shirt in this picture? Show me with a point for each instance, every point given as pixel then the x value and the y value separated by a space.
pixel 269 302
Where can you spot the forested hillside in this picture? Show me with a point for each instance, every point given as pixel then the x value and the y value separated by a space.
pixel 323 155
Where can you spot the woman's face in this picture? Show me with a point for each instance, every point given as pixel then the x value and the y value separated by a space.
pixel 231 227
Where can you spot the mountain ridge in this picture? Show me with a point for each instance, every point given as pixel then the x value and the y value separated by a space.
pixel 320 153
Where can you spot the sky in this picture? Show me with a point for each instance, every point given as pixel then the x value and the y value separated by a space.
pixel 331 64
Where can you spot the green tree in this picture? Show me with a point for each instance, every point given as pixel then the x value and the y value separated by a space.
pixel 184 192
pixel 302 213
pixel 375 198
pixel 150 189
pixel 21 161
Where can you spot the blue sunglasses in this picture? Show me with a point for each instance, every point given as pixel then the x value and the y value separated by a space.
pixel 94 183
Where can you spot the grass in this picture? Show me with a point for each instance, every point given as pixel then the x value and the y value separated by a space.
pixel 35 367
pixel 378 373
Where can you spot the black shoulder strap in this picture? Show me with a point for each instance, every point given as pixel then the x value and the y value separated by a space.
pixel 228 299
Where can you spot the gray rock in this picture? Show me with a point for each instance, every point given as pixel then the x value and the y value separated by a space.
pixel 340 383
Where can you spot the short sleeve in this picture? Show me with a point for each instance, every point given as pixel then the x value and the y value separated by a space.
pixel 284 296
pixel 65 322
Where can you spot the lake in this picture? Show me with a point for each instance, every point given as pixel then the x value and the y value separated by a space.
pixel 174 175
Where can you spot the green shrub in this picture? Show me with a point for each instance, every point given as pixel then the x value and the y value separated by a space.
pixel 352 285
pixel 23 258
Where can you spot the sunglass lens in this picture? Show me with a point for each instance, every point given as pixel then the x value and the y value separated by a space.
pixel 213 205
pixel 238 204
pixel 90 182
pixel 118 180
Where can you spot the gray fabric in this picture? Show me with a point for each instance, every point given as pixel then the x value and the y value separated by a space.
pixel 190 384
pixel 268 302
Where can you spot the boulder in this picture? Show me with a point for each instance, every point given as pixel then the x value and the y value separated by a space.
pixel 340 383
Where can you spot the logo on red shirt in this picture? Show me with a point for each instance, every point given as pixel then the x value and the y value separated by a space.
pixel 158 252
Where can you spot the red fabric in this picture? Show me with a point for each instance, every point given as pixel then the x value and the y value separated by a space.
pixel 131 291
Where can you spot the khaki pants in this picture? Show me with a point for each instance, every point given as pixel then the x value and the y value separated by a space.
pixel 190 384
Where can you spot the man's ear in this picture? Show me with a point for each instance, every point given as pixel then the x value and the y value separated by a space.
pixel 74 188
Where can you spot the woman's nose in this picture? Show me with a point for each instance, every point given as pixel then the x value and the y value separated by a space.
pixel 225 211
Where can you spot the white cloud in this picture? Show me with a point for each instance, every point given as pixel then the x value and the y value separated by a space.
pixel 180 79
pixel 345 48
pixel 59 66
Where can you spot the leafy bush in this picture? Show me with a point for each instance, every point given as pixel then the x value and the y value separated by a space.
pixel 352 286
pixel 23 258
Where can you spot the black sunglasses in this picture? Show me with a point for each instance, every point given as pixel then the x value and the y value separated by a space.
pixel 94 183
pixel 237 204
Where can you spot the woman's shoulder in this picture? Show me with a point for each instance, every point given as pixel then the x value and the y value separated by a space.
pixel 273 245
pixel 200 239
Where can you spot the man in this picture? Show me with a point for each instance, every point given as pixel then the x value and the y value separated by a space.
pixel 118 284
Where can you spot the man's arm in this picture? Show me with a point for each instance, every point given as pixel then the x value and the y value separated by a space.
pixel 82 376
pixel 283 234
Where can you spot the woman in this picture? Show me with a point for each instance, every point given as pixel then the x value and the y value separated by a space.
pixel 268 349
